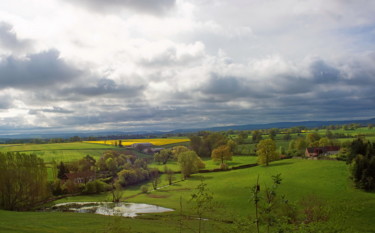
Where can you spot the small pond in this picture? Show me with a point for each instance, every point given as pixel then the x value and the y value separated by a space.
pixel 109 208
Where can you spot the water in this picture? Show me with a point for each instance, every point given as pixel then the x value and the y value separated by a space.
pixel 110 208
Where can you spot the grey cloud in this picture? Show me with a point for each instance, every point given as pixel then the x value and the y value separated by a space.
pixel 36 71
pixel 5 102
pixel 103 87
pixel 155 7
pixel 10 41
pixel 54 109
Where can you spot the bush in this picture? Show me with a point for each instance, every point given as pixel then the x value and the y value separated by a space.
pixel 144 188
pixel 95 186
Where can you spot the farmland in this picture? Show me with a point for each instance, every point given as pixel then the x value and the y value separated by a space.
pixel 352 210
pixel 154 141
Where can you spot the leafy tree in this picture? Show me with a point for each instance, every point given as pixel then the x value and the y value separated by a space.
pixel 312 139
pixel 266 151
pixel 23 181
pixel 155 177
pixel 222 153
pixel 178 150
pixel 256 136
pixel 242 136
pixel 169 175
pixel 204 146
pixel 189 163
pixel 163 156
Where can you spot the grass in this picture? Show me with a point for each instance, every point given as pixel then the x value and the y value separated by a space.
pixel 210 164
pixel 351 209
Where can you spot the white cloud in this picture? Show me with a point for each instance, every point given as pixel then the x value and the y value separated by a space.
pixel 69 63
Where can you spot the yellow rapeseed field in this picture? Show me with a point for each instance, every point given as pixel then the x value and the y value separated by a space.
pixel 154 141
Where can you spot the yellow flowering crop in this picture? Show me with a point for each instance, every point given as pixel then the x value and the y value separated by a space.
pixel 154 141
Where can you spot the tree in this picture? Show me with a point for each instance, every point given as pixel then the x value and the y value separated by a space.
pixel 169 174
pixel 222 153
pixel 189 163
pixel 266 151
pixel 23 181
pixel 163 156
pixel 242 136
pixel 62 170
pixel 204 146
pixel 257 136
pixel 155 177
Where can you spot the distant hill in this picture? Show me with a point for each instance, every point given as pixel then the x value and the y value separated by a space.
pixel 308 124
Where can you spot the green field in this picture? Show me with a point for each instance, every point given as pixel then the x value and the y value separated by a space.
pixel 60 151
pixel 350 209
pixel 210 164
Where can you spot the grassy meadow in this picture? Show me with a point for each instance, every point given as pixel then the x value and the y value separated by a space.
pixel 350 209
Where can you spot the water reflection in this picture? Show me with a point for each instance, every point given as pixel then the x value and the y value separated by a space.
pixel 110 208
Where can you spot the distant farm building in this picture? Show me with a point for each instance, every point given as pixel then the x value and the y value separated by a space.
pixel 321 151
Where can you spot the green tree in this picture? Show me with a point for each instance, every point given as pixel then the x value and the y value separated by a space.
pixel 189 163
pixel 163 156
pixel 266 151
pixel 23 181
pixel 222 153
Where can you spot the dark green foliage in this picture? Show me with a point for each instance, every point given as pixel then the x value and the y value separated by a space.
pixel 23 181
pixel 361 156
pixel 204 146
pixel 257 136
pixel 96 186
pixel 62 171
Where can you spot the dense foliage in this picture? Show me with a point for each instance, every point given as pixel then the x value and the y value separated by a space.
pixel 23 181
pixel 361 156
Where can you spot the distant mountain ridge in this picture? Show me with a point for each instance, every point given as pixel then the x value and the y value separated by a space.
pixel 309 124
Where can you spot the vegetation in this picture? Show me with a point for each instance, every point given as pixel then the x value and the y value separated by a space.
pixel 266 151
pixel 189 163
pixel 23 181
pixel 315 196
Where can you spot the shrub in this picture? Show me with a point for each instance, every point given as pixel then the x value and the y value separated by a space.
pixel 144 188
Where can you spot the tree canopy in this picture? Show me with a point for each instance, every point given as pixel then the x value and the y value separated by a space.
pixel 266 151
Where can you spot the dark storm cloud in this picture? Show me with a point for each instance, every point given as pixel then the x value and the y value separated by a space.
pixel 10 41
pixel 36 71
pixel 155 7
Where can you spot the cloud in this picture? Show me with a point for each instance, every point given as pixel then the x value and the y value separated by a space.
pixel 9 40
pixel 54 109
pixel 36 71
pixel 155 7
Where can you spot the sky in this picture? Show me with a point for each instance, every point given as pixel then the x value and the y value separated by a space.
pixel 134 65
